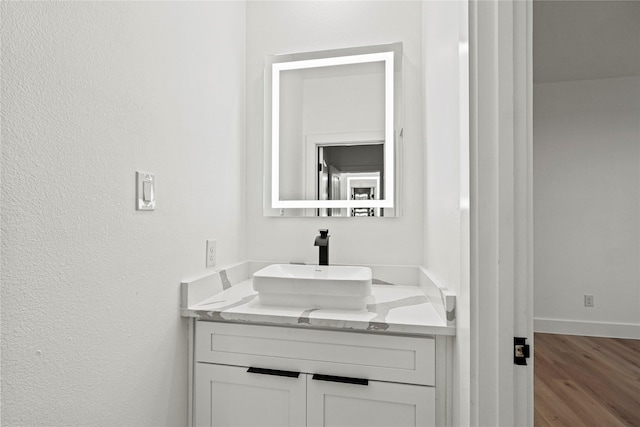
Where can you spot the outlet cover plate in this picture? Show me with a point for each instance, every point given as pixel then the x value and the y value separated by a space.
pixel 588 300
pixel 211 253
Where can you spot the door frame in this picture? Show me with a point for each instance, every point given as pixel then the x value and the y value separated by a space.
pixel 501 213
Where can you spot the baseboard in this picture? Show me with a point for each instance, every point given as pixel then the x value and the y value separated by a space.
pixel 590 329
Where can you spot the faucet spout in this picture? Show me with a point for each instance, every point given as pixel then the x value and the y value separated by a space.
pixel 322 241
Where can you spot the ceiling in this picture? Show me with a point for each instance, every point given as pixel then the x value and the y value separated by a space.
pixel 583 40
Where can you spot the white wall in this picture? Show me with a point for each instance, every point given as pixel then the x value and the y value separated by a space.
pixel 291 131
pixel 446 239
pixel 345 103
pixel 587 206
pixel 283 27
pixel 92 92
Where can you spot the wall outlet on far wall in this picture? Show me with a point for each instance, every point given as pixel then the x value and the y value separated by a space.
pixel 211 253
pixel 588 300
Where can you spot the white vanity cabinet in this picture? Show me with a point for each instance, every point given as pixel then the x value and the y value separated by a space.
pixel 231 396
pixel 376 404
pixel 254 375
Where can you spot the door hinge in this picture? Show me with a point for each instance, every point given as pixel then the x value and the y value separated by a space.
pixel 521 351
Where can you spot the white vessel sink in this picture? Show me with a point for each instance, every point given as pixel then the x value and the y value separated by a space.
pixel 313 286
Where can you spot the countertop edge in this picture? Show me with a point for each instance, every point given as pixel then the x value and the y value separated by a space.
pixel 220 282
pixel 409 330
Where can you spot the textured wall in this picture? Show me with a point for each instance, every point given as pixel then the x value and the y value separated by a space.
pixel 299 26
pixel 92 92
pixel 587 204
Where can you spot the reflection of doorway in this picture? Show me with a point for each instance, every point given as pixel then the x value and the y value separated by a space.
pixel 363 186
pixel 364 160
pixel 329 155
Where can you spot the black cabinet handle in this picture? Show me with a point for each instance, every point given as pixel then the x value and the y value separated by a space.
pixel 335 379
pixel 275 372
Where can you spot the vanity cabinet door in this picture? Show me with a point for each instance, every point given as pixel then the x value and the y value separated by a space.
pixel 333 404
pixel 231 396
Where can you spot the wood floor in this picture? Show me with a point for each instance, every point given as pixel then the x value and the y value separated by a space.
pixel 586 381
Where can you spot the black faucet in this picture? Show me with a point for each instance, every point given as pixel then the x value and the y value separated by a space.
pixel 322 241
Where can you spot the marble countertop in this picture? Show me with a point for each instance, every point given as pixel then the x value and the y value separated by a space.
pixel 390 309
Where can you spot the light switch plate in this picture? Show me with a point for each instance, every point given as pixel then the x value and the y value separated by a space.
pixel 145 191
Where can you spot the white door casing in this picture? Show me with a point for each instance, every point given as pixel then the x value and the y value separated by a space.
pixel 501 210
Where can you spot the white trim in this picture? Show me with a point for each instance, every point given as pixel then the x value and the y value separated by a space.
pixel 501 210
pixel 346 138
pixel 585 328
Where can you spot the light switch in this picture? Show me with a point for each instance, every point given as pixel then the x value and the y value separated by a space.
pixel 145 191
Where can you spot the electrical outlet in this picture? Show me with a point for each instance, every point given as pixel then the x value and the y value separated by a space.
pixel 588 300
pixel 211 253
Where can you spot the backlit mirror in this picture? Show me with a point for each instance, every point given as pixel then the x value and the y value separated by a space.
pixel 332 132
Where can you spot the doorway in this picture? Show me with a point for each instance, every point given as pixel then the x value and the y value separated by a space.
pixel 586 151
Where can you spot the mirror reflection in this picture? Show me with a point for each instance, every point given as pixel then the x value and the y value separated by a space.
pixel 351 172
pixel 348 166
pixel 333 130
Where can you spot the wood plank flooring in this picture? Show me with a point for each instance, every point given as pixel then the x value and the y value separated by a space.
pixel 586 381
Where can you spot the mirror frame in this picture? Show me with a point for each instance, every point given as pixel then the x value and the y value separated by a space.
pixel 389 54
